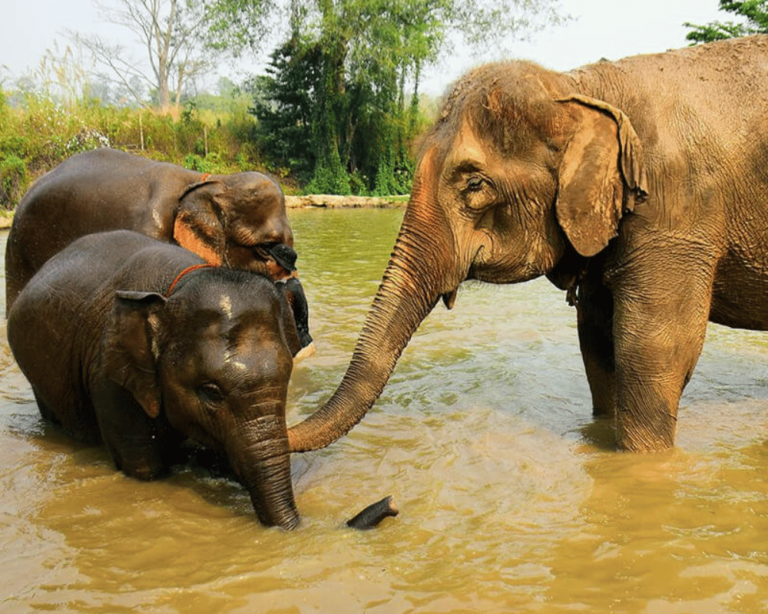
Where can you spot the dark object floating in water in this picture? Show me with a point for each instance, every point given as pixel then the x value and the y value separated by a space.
pixel 374 514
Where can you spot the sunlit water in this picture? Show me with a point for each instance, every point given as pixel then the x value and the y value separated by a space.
pixel 511 497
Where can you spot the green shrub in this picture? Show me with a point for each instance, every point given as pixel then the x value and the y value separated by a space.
pixel 14 180
pixel 15 144
pixel 219 136
pixel 194 162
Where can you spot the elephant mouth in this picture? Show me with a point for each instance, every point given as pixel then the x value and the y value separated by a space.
pixel 262 250
pixel 449 298
pixel 280 253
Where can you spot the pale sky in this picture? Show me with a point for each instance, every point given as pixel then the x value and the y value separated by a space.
pixel 609 29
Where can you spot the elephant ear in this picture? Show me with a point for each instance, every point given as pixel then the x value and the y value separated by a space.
pixel 290 328
pixel 129 347
pixel 200 224
pixel 601 175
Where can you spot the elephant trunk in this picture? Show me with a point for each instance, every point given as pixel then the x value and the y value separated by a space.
pixel 418 273
pixel 259 455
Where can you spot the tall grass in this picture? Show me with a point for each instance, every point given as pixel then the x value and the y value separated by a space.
pixel 37 133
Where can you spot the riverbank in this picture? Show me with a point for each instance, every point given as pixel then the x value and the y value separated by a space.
pixel 332 201
pixel 317 201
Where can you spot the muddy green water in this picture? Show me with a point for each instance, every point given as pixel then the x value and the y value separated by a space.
pixel 511 498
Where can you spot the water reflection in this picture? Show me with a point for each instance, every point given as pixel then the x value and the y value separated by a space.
pixel 511 498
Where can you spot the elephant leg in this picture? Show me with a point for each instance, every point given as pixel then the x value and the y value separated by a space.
pixel 660 322
pixel 46 412
pixel 141 447
pixel 595 326
pixel 81 426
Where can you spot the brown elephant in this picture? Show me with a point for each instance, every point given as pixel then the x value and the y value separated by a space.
pixel 225 219
pixel 638 186
pixel 140 344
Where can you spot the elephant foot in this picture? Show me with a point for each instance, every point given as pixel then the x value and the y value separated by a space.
pixel 374 514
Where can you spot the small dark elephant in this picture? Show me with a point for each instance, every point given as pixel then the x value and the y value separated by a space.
pixel 140 344
pixel 225 219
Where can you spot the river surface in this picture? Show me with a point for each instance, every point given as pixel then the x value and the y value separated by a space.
pixel 511 498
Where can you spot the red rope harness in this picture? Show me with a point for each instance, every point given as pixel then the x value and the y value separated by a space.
pixel 189 269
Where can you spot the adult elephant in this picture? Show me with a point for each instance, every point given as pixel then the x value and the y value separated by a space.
pixel 225 219
pixel 639 186
pixel 139 344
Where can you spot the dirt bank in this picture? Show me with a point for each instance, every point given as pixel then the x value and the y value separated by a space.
pixel 320 201
pixel 331 201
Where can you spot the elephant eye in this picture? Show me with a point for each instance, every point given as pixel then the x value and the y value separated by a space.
pixel 475 184
pixel 479 192
pixel 210 393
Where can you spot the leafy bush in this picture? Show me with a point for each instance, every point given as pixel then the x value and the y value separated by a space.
pixel 215 136
pixel 14 180
pixel 15 144
pixel 37 133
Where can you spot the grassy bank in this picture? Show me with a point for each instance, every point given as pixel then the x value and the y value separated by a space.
pixel 36 134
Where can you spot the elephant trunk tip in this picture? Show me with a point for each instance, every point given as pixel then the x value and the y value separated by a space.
pixel 449 298
pixel 372 515
pixel 286 519
pixel 289 524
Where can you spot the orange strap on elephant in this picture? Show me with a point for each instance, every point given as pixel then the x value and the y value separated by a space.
pixel 189 269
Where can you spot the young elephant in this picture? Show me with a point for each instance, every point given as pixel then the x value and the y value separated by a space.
pixel 225 219
pixel 140 344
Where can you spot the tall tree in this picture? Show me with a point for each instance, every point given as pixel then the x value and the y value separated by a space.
pixel 367 53
pixel 754 14
pixel 183 39
pixel 283 104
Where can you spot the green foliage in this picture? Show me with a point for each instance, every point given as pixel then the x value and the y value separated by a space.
pixel 4 109
pixel 15 145
pixel 330 174
pixel 14 180
pixel 755 21
pixel 37 133
pixel 283 102
pixel 208 164
pixel 236 25
pixel 337 111
pixel 328 124
pixel 334 105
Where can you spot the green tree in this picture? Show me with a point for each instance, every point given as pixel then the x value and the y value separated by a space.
pixel 183 40
pixel 754 14
pixel 283 104
pixel 364 55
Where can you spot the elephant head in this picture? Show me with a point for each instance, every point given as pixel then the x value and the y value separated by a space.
pixel 213 359
pixel 229 219
pixel 517 172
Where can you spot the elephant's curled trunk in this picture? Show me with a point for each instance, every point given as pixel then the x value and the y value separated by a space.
pixel 409 290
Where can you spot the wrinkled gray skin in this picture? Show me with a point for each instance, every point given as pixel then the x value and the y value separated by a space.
pixel 638 186
pixel 222 218
pixel 112 357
